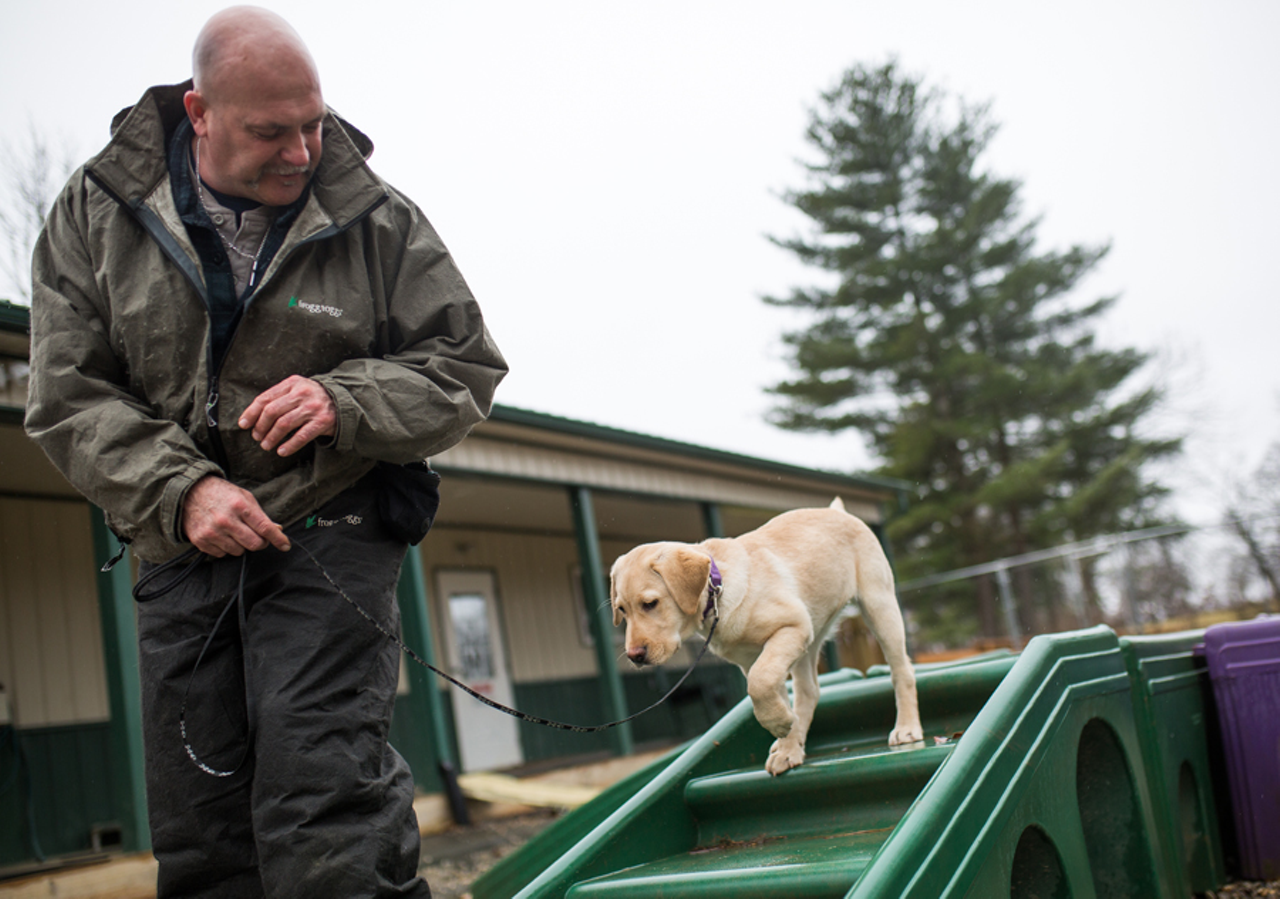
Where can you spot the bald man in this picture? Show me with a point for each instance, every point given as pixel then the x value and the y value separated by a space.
pixel 243 343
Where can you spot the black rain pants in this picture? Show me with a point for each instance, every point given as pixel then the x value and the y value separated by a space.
pixel 322 806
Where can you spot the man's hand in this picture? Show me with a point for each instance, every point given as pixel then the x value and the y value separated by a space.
pixel 296 406
pixel 221 519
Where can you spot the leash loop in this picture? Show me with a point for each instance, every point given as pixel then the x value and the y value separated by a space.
pixel 143 592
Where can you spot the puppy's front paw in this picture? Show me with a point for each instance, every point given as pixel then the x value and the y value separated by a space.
pixel 906 734
pixel 784 755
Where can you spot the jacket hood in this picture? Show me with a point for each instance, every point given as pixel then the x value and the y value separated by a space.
pixel 130 167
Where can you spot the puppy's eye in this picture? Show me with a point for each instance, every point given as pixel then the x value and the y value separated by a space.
pixel 650 605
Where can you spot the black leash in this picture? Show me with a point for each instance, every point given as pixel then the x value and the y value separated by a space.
pixel 192 558
pixel 515 713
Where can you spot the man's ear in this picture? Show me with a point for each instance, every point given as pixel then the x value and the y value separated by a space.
pixel 193 101
pixel 686 572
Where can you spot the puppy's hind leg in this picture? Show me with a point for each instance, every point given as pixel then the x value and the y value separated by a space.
pixel 884 617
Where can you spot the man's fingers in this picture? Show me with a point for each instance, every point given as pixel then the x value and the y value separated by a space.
pixel 274 426
pixel 300 438
pixel 221 519
pixel 294 430
pixel 249 417
pixel 296 406
pixel 225 535
pixel 257 530
pixel 274 535
pixel 222 540
pixel 212 546
pixel 253 412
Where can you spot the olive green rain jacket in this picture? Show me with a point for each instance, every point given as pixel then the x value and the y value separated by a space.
pixel 362 296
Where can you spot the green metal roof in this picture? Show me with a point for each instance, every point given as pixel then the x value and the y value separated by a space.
pixel 588 430
pixel 14 317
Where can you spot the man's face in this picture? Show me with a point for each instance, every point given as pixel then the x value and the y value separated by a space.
pixel 259 134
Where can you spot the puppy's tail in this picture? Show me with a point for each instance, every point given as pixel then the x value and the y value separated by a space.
pixel 837 503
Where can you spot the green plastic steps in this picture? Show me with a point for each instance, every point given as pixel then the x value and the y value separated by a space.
pixel 808 833
pixel 1083 769
pixel 712 823
pixel 815 867
pixel 867 790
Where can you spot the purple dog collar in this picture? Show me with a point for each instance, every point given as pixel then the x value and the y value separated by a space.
pixel 714 591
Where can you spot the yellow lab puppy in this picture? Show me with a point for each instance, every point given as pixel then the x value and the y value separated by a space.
pixel 782 589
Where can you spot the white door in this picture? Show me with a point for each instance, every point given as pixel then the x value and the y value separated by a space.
pixel 487 738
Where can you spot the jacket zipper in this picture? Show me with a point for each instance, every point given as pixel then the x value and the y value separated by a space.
pixel 211 401
pixel 152 224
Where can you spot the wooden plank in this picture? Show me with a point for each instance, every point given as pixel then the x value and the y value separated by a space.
pixel 489 787
pixel 132 877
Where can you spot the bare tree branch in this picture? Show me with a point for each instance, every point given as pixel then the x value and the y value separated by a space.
pixel 31 174
pixel 1256 552
pixel 1252 514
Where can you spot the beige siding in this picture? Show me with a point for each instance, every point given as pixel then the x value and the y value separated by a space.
pixel 560 466
pixel 535 593
pixel 14 376
pixel 51 660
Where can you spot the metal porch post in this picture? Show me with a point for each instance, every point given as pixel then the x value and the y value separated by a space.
pixel 426 701
pixel 599 617
pixel 1010 606
pixel 712 521
pixel 124 689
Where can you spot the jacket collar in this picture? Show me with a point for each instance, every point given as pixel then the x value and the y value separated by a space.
pixel 133 164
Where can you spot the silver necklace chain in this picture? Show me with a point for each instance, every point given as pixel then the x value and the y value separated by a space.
pixel 253 273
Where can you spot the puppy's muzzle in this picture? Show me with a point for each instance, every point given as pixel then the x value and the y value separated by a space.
pixel 639 655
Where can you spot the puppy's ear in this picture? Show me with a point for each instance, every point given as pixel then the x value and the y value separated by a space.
pixel 686 573
pixel 613 593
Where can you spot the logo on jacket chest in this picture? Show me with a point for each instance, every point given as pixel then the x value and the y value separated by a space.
pixel 314 308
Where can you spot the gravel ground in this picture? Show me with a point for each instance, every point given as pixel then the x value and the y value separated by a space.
pixel 1242 890
pixel 452 861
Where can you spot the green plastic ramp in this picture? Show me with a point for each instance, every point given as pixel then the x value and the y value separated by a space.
pixel 1068 779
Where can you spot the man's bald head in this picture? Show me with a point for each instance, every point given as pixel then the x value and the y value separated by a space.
pixel 237 43
pixel 255 107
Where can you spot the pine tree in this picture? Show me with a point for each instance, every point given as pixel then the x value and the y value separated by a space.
pixel 954 345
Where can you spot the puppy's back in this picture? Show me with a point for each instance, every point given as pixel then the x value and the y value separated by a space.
pixel 829 551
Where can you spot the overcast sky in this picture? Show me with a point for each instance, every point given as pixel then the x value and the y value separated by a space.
pixel 607 174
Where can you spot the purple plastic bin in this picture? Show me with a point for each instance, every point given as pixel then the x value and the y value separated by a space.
pixel 1244 666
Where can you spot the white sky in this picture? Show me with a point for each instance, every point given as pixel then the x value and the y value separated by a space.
pixel 606 175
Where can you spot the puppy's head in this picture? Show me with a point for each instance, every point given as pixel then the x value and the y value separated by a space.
pixel 657 590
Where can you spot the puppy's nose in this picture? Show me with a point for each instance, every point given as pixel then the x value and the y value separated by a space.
pixel 638 654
